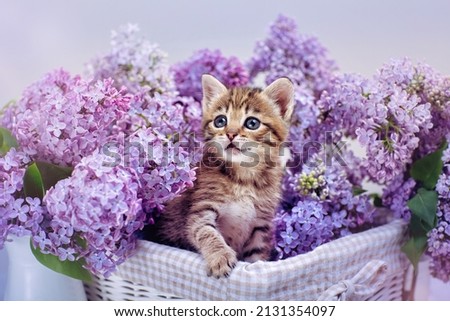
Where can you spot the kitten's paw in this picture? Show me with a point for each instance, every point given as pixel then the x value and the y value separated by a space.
pixel 221 263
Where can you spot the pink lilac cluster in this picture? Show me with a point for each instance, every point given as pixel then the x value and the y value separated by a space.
pixel 142 68
pixel 187 74
pixel 286 53
pixel 19 216
pixel 320 204
pixel 62 118
pixel 439 237
pixel 133 62
pixel 164 167
pixel 170 115
pixel 93 215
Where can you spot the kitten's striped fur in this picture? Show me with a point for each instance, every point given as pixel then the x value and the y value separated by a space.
pixel 227 216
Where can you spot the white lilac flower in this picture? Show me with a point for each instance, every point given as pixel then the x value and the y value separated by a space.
pixel 134 62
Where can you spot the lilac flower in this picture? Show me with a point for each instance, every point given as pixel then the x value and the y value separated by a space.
pixel 7 115
pixel 170 115
pixel 342 106
pixel 439 237
pixel 66 254
pixel 134 63
pixel 187 74
pixel 430 88
pixel 164 168
pixel 296 234
pixel 390 130
pixel 285 53
pixel 61 118
pixel 439 248
pixel 41 240
pixel 305 119
pixel 99 214
pixel 319 204
pixel 18 216
pixel 142 68
pixel 396 196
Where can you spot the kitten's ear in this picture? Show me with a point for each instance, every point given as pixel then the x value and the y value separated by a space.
pixel 212 88
pixel 281 91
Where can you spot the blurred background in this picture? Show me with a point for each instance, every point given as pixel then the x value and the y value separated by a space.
pixel 38 36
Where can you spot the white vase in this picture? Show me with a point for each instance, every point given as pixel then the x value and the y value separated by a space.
pixel 29 280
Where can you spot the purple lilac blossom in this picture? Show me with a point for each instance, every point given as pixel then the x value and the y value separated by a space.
pixel 319 205
pixel 164 167
pixel 7 115
pixel 390 131
pixel 134 62
pixel 430 87
pixel 187 74
pixel 19 216
pixel 142 68
pixel 397 194
pixel 93 214
pixel 342 107
pixel 286 53
pixel 437 93
pixel 61 118
pixel 439 237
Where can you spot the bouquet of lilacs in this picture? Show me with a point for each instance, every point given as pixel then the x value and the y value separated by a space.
pixel 87 161
pixel 400 118
pixel 74 176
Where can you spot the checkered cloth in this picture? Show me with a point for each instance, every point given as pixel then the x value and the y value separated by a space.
pixel 351 267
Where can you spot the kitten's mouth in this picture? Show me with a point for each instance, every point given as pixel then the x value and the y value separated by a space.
pixel 233 148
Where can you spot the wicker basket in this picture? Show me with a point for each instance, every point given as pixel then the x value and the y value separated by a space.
pixel 363 266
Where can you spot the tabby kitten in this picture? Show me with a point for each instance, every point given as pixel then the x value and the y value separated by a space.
pixel 227 216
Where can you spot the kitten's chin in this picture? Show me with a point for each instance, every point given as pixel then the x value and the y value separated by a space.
pixel 234 155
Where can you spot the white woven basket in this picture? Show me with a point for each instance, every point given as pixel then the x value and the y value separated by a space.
pixel 363 266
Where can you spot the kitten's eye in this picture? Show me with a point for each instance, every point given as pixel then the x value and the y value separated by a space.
pixel 220 121
pixel 252 123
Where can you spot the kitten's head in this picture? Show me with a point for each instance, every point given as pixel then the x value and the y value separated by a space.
pixel 244 127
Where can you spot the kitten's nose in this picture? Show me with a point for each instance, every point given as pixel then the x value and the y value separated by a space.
pixel 231 134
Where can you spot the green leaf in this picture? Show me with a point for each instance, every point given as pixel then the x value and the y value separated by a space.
pixel 377 201
pixel 73 269
pixel 424 206
pixel 33 185
pixel 52 174
pixel 417 227
pixel 414 249
pixel 428 168
pixel 7 141
pixel 40 177
pixel 358 190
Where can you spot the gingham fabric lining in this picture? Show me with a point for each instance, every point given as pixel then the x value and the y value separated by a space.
pixel 360 261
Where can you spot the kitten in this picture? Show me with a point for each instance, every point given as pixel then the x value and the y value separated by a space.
pixel 227 216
